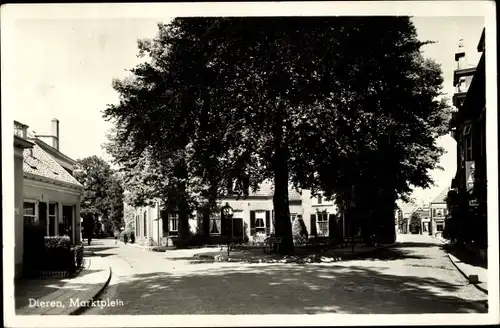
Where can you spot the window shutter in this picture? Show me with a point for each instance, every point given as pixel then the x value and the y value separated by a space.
pixel 332 225
pixel 252 223
pixel 223 225
pixel 273 222
pixel 268 222
pixel 314 230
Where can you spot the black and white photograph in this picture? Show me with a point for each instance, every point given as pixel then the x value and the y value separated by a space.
pixel 205 164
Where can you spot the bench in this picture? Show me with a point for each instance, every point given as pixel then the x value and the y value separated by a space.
pixel 351 240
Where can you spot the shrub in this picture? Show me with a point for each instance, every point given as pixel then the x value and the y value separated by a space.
pixel 58 254
pixel 196 240
pixel 299 231
pixel 132 237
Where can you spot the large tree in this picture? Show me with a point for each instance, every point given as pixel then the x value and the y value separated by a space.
pixel 102 195
pixel 320 102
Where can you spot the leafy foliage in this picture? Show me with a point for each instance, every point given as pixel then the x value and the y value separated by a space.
pixel 299 231
pixel 102 195
pixel 344 105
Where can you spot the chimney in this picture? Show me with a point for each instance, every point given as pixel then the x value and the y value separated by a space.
pixel 55 133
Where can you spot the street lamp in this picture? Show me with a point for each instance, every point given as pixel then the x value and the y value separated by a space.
pixel 227 212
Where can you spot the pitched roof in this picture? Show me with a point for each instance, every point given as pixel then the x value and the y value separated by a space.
pixel 39 162
pixel 266 189
pixel 441 198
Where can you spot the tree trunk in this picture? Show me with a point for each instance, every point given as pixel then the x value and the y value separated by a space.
pixel 183 209
pixel 283 225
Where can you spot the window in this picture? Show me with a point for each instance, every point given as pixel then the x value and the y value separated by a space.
pixel 467 143
pixel 173 222
pixel 293 216
pixel 439 212
pixel 466 130
pixel 440 226
pixel 145 224
pixel 462 87
pixel 215 224
pixel 29 213
pixel 52 219
pixel 434 212
pixel 260 222
pixel 322 224
pixel 320 199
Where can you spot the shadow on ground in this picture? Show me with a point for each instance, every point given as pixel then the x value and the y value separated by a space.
pixel 290 289
pixel 417 244
pixel 90 255
pixel 389 254
pixel 26 289
pixel 466 256
pixel 99 249
pixel 253 256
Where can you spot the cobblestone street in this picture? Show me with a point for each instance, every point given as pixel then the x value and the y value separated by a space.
pixel 414 277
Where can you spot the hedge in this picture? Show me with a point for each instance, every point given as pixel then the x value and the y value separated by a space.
pixel 50 253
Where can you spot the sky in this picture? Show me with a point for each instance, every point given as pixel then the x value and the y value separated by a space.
pixel 64 69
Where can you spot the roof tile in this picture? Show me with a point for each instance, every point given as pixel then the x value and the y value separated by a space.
pixel 38 162
pixel 266 189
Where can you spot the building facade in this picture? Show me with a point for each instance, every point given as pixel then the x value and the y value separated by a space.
pixel 438 213
pixel 467 196
pixel 47 194
pixel 21 143
pixel 253 218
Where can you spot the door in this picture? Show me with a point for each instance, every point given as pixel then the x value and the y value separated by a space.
pixel 65 228
pixel 237 229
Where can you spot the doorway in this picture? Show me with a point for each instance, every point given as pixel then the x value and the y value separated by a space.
pixel 66 227
pixel 237 229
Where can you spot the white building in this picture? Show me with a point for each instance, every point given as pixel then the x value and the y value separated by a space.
pixel 252 217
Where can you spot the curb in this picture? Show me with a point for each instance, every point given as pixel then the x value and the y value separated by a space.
pixel 81 309
pixel 465 275
pixel 345 258
pixel 148 248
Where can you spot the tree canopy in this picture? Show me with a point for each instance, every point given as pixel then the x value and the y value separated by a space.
pixel 103 192
pixel 344 105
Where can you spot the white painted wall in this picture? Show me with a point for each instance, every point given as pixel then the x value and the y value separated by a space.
pixel 45 192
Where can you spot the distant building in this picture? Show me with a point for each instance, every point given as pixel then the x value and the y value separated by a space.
pixel 425 217
pixel 438 212
pixel 420 227
pixel 468 128
pixel 253 217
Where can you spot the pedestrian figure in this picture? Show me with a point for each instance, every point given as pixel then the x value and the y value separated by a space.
pixel 116 236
